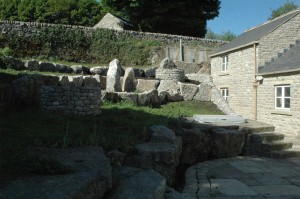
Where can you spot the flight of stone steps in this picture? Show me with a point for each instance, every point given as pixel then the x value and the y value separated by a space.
pixel 265 142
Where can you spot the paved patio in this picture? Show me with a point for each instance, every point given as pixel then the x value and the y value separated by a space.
pixel 244 177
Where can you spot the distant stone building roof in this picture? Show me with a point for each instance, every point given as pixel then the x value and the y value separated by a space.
pixel 255 34
pixel 288 61
pixel 111 21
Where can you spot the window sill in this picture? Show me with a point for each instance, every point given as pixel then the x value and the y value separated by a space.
pixel 224 73
pixel 282 112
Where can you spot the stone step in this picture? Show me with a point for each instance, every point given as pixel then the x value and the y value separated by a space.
pixel 267 136
pixel 256 127
pixel 276 145
pixel 288 153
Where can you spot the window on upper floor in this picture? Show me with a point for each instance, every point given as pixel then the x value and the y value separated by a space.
pixel 283 97
pixel 224 63
pixel 225 93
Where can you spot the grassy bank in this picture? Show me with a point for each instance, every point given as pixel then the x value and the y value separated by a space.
pixel 121 126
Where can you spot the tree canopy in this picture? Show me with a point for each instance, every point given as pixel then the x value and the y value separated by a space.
pixel 285 8
pixel 166 16
pixel 226 36
pixel 72 12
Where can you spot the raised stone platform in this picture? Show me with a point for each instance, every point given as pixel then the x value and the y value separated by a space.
pixel 243 177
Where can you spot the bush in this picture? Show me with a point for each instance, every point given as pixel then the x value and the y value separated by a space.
pixel 6 51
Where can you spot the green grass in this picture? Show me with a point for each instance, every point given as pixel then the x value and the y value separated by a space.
pixel 121 126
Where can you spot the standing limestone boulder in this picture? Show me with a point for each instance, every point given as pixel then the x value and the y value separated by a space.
pixel 204 92
pixel 128 80
pixel 113 83
pixel 188 91
pixel 227 143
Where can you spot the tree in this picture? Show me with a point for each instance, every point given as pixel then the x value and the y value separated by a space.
pixel 9 9
pixel 166 16
pixel 226 36
pixel 26 10
pixel 285 8
pixel 88 12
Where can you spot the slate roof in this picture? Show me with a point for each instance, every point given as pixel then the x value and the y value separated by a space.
pixel 285 62
pixel 255 34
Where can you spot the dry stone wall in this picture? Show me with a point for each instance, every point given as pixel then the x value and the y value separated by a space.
pixel 170 74
pixel 71 100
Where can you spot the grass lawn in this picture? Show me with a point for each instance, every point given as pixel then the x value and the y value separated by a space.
pixel 121 125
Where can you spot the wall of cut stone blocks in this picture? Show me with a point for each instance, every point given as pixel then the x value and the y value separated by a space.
pixel 238 79
pixel 287 122
pixel 79 95
pixel 278 40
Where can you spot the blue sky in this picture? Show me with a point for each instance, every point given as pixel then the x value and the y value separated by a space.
pixel 240 15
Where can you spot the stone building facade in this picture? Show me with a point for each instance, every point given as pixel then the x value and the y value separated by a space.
pixel 253 70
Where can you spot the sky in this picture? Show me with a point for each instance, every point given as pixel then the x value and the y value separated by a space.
pixel 239 15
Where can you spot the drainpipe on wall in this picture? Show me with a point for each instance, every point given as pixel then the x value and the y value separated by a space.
pixel 255 83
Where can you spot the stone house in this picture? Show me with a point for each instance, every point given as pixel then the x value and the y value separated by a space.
pixel 110 21
pixel 258 73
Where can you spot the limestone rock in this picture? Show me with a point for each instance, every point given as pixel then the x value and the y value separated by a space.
pixel 46 66
pixel 218 99
pixel 167 64
pixel 196 146
pixel 188 67
pixel 162 157
pixel 99 70
pixel 149 98
pixel 139 72
pixel 172 194
pixel 162 96
pixel 204 92
pixel 13 63
pixel 128 96
pixel 113 83
pixel 188 91
pixel 103 82
pixel 198 77
pixel 32 65
pixel 111 96
pixel 227 143
pixel 146 85
pixel 64 81
pixel 162 134
pixel 174 96
pixel 61 68
pixel 76 80
pixel 91 177
pixel 128 80
pixel 91 81
pixel 79 69
pixel 150 73
pixel 136 183
pixel 166 85
pixel 116 157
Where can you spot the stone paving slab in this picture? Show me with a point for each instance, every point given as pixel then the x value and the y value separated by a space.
pixel 244 177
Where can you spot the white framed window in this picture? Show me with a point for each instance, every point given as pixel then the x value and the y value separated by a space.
pixel 225 63
pixel 283 97
pixel 225 93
